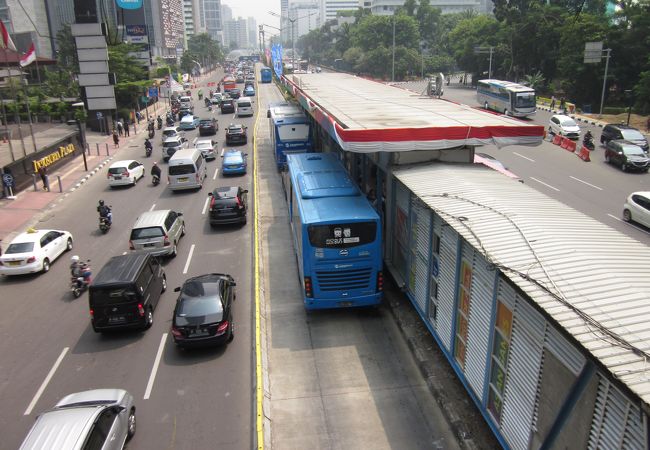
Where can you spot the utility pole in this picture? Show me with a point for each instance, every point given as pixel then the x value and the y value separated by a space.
pixel 393 71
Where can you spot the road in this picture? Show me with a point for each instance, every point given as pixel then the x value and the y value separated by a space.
pixel 196 400
pixel 595 188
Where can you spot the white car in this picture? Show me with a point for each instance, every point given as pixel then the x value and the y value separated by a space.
pixel 168 132
pixel 34 251
pixel 124 172
pixel 637 208
pixel 564 126
pixel 207 147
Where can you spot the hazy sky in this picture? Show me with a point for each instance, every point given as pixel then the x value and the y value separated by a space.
pixel 256 8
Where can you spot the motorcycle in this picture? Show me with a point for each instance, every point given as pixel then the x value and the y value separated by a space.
pixel 155 180
pixel 79 284
pixel 589 143
pixel 170 121
pixel 152 133
pixel 104 224
pixel 160 122
pixel 147 151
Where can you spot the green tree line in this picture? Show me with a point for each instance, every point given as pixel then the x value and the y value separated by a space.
pixel 540 42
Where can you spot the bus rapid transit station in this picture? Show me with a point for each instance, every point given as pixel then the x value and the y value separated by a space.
pixel 541 311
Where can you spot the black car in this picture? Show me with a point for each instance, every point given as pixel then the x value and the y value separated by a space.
pixel 234 93
pixel 613 132
pixel 236 134
pixel 208 127
pixel 228 204
pixel 627 155
pixel 227 106
pixel 203 312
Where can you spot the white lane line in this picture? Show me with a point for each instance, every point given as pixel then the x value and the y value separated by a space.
pixel 584 182
pixel 46 381
pixel 547 185
pixel 154 369
pixel 222 149
pixel 615 218
pixel 216 171
pixel 152 207
pixel 522 156
pixel 205 206
pixel 123 253
pixel 189 259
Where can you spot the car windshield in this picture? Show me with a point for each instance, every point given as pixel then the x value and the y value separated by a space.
pixel 20 247
pixel 146 233
pixel 233 158
pixel 169 133
pixel 203 145
pixel 567 122
pixel 633 150
pixel 206 122
pixel 116 170
pixel 187 119
pixel 632 135
pixel 171 144
pixel 234 130
pixel 525 100
pixel 183 169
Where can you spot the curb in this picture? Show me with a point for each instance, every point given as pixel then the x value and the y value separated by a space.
pixel 92 172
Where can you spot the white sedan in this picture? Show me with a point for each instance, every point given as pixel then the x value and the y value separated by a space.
pixel 207 147
pixel 637 208
pixel 34 251
pixel 124 172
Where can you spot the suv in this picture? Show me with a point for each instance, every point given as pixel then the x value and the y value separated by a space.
pixel 158 232
pixel 627 155
pixel 208 126
pixel 168 132
pixel 236 134
pixel 622 131
pixel 172 145
pixel 125 292
pixel 227 106
pixel 228 205
pixel 101 418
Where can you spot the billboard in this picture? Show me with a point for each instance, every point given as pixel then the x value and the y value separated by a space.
pixel 136 34
pixel 129 4
pixel 276 59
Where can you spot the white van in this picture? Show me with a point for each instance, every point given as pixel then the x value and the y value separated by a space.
pixel 187 169
pixel 244 106
pixel 186 101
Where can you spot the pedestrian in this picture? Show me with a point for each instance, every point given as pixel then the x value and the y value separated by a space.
pixel 552 102
pixel 562 104
pixel 116 138
pixel 138 116
pixel 126 128
pixel 120 128
pixel 44 178
pixel 647 125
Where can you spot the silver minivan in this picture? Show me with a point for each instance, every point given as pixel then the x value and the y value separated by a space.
pixel 158 232
pixel 187 169
pixel 102 419
pixel 244 107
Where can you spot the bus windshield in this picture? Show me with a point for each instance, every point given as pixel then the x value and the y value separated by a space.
pixel 525 100
pixel 293 132
pixel 343 235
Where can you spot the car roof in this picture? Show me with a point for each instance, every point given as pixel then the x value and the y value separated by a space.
pixel 151 218
pixel 31 235
pixel 562 117
pixel 235 125
pixel 62 428
pixel 170 129
pixel 646 194
pixel 625 143
pixel 188 116
pixel 621 126
pixel 172 138
pixel 122 163
pixel 225 192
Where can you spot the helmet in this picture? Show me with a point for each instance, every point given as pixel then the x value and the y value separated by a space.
pixel 155 163
pixel 75 258
pixel 101 203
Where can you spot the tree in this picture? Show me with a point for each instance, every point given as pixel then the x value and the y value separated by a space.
pixel 205 48
pixel 480 31
pixel 125 66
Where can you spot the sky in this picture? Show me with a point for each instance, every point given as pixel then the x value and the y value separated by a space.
pixel 256 8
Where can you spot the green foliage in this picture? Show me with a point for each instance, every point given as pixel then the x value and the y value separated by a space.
pixel 123 64
pixel 479 31
pixel 535 81
pixel 207 50
pixel 46 109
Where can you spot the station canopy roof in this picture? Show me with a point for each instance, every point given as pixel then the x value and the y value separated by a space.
pixel 367 116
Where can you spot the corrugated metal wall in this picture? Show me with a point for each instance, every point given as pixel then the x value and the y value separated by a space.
pixel 447 285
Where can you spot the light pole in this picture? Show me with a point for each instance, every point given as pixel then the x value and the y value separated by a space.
pixel 490 50
pixel 293 40
pixel 392 77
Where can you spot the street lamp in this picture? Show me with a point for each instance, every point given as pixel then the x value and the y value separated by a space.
pixel 293 41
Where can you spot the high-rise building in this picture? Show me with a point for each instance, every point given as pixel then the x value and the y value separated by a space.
pixel 226 13
pixel 251 23
pixel 388 7
pixel 212 16
pixel 305 17
pixel 235 33
pixel 329 8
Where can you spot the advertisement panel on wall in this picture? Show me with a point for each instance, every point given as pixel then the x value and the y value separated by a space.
pixel 129 4
pixel 276 59
pixel 136 34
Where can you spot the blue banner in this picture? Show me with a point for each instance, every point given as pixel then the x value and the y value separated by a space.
pixel 276 59
pixel 129 4
pixel 153 92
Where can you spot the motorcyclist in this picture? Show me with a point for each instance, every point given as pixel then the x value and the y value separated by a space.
pixel 588 140
pixel 105 211
pixel 200 93
pixel 155 170
pixel 79 269
pixel 147 144
pixel 160 122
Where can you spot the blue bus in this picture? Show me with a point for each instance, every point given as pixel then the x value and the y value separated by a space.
pixel 290 131
pixel 336 234
pixel 266 75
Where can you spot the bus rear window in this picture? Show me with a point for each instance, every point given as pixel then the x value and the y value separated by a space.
pixel 342 235
pixel 295 132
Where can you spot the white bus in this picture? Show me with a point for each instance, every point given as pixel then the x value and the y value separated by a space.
pixel 509 98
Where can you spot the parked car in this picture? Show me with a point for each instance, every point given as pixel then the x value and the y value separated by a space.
pixel 126 172
pixel 207 147
pixel 203 314
pixel 637 208
pixel 208 126
pixel 158 232
pixel 234 162
pixel 189 122
pixel 621 131
pixel 172 145
pixel 34 251
pixel 100 418
pixel 168 132
pixel 227 106
pixel 228 204
pixel 626 155
pixel 249 91
pixel 564 126
pixel 236 134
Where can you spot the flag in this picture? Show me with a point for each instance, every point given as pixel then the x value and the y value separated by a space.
pixel 29 57
pixel 5 39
